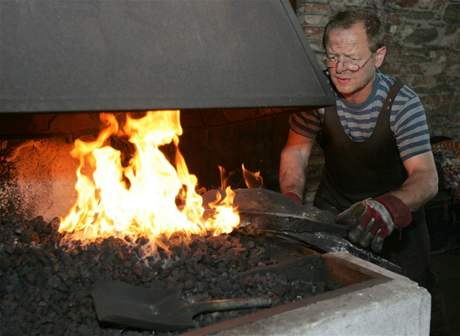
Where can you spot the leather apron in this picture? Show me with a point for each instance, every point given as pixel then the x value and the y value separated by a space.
pixel 354 171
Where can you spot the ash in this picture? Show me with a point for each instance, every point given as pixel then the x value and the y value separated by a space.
pixel 46 290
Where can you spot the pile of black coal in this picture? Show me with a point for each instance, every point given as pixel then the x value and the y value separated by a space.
pixel 46 290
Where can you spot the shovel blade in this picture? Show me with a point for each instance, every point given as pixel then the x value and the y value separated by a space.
pixel 125 305
pixel 266 209
pixel 157 308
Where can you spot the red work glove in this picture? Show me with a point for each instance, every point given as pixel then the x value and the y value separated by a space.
pixel 294 197
pixel 374 219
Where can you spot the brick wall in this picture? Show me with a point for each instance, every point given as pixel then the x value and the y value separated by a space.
pixel 423 41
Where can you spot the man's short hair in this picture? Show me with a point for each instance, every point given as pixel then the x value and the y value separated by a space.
pixel 346 19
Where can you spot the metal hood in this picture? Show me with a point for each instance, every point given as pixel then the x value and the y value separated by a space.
pixel 120 55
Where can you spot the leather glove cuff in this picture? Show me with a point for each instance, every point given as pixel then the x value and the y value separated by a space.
pixel 400 213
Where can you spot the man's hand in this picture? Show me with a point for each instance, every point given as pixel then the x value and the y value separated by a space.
pixel 294 161
pixel 294 197
pixel 374 219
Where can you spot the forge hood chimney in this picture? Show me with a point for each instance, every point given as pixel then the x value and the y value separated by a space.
pixel 120 55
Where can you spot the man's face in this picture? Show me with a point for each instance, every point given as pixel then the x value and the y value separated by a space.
pixel 355 66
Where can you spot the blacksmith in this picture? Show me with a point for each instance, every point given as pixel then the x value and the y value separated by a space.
pixel 379 168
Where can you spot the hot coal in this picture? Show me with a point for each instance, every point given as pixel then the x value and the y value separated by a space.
pixel 45 289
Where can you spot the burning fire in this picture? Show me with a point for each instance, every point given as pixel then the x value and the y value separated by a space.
pixel 144 195
pixel 252 179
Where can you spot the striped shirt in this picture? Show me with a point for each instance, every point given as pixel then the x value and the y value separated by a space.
pixel 407 118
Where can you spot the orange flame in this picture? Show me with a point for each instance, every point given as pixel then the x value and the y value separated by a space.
pixel 252 179
pixel 140 198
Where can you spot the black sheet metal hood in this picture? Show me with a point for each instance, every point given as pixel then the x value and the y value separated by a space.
pixel 120 55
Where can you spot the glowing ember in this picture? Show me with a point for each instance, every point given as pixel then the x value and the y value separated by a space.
pixel 146 197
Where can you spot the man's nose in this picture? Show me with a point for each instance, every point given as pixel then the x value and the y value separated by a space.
pixel 340 67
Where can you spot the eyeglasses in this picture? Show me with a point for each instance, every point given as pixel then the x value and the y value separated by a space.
pixel 347 63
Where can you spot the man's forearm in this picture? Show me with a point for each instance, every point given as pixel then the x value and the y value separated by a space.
pixel 293 163
pixel 290 182
pixel 422 182
pixel 418 189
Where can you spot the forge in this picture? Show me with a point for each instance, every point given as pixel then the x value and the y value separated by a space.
pixel 46 287
pixel 235 72
pixel 46 290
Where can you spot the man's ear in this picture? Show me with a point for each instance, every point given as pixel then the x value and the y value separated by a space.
pixel 380 56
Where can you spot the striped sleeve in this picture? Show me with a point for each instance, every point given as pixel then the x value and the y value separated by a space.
pixel 306 123
pixel 410 125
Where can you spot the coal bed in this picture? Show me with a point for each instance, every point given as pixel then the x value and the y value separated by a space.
pixel 46 289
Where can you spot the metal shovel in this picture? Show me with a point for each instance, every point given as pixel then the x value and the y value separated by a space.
pixel 269 210
pixel 157 308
